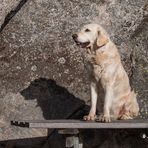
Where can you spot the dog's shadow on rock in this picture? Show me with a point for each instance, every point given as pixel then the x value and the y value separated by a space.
pixel 55 101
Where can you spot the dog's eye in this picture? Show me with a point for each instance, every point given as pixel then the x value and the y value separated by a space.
pixel 87 30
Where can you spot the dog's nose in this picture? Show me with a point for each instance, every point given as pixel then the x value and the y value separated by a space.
pixel 74 36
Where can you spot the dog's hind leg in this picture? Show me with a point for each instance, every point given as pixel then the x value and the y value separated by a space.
pixel 131 107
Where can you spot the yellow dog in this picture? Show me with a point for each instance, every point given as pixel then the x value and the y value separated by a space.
pixel 120 101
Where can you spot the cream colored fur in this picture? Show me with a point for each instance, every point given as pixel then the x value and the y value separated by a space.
pixel 120 101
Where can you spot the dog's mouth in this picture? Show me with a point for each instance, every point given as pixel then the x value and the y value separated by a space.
pixel 83 45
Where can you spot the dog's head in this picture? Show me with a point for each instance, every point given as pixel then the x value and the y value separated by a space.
pixel 91 34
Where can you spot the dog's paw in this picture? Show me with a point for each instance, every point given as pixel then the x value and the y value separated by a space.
pixel 104 118
pixel 125 117
pixel 89 117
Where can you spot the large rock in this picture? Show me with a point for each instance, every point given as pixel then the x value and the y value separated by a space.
pixel 38 53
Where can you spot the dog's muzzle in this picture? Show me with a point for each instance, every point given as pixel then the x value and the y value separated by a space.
pixel 83 45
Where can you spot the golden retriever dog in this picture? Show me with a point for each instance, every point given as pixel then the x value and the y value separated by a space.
pixel 119 101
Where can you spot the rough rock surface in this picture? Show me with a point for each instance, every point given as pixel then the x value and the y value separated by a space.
pixel 7 6
pixel 40 66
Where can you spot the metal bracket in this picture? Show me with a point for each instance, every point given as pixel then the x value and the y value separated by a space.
pixel 72 138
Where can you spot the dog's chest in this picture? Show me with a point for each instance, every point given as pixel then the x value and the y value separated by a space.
pixel 96 61
pixel 97 70
pixel 94 71
pixel 101 58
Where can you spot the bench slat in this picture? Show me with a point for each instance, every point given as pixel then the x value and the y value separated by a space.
pixel 79 124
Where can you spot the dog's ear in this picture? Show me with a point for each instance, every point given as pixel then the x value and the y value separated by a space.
pixel 102 39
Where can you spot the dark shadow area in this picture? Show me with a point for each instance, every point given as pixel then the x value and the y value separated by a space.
pixel 114 138
pixel 23 143
pixel 55 101
pixel 102 138
pixel 39 142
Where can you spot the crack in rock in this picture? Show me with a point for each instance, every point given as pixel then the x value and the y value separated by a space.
pixel 11 14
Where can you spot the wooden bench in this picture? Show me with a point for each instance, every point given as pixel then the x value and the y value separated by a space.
pixel 70 127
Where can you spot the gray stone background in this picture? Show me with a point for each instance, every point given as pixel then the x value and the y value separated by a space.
pixel 42 71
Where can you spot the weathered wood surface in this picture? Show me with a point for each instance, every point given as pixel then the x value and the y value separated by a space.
pixel 79 124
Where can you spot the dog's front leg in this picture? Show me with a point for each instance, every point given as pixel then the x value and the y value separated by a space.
pixel 105 117
pixel 92 113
